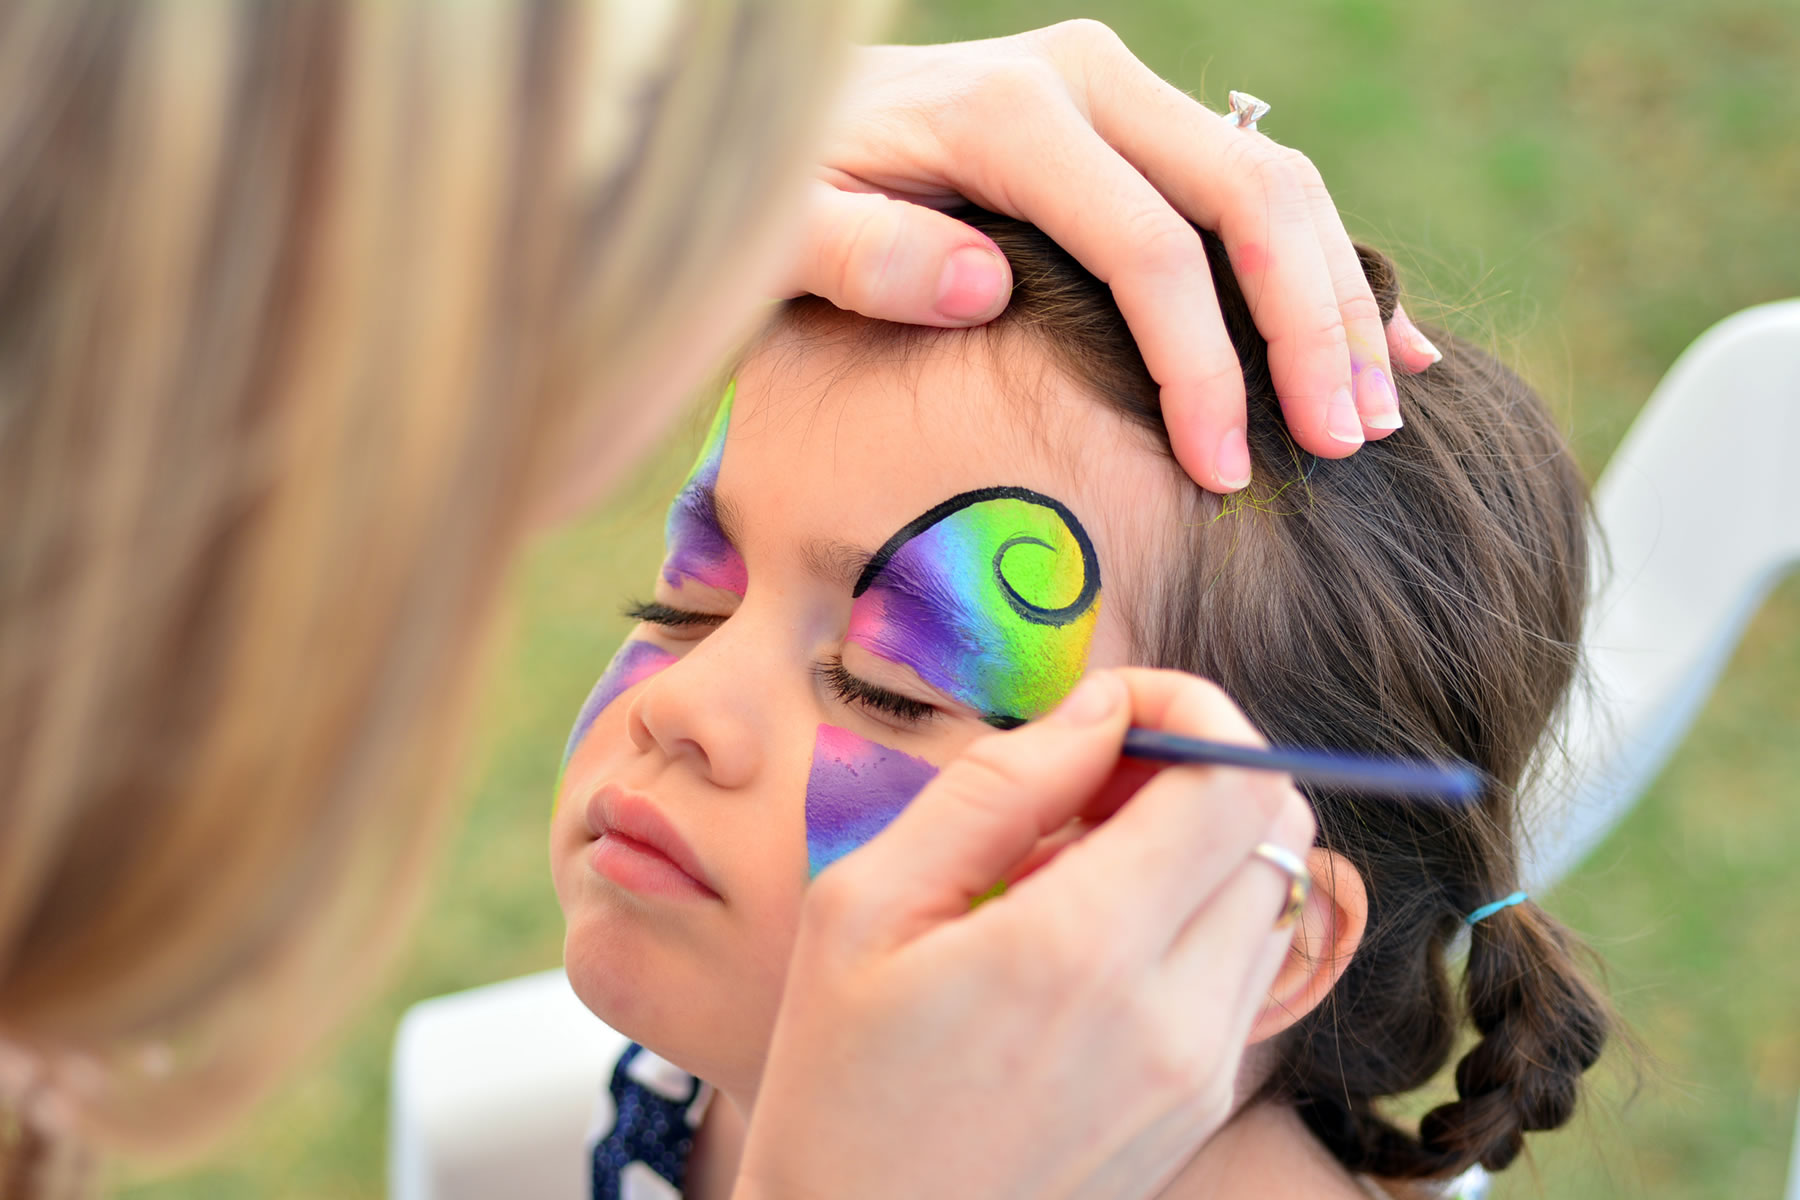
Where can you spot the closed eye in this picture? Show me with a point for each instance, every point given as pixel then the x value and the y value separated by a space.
pixel 652 612
pixel 858 691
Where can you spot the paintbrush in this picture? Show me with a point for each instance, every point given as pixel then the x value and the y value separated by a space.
pixel 1452 782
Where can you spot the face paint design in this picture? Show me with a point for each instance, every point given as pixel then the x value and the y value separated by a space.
pixel 992 597
pixel 634 663
pixel 856 789
pixel 697 547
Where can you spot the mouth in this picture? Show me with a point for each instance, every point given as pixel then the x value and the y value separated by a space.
pixel 638 848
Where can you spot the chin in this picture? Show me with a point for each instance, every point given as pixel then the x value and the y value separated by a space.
pixel 620 973
pixel 645 1009
pixel 708 1022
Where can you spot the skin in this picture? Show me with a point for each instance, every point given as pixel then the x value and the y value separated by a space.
pixel 722 738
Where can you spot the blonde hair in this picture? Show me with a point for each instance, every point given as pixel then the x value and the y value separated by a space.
pixel 300 307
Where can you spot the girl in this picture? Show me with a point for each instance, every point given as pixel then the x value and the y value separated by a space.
pixel 855 591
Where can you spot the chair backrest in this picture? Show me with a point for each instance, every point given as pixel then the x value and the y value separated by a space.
pixel 494 1091
pixel 1699 514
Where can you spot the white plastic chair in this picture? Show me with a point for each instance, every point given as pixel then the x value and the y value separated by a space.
pixel 1684 578
pixel 495 1088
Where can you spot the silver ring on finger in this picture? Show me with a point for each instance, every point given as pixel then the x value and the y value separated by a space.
pixel 1298 877
pixel 1246 110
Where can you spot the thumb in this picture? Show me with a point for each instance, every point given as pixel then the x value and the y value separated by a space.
pixel 897 261
pixel 983 814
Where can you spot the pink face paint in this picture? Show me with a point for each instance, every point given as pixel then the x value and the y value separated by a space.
pixel 856 789
pixel 697 547
pixel 992 597
pixel 634 663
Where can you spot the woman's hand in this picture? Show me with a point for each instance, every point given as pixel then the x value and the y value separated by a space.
pixel 1064 128
pixel 1079 1036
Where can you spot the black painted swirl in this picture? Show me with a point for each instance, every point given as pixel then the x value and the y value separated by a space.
pixel 1036 614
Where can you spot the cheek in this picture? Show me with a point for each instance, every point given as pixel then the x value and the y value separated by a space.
pixel 855 789
pixel 634 663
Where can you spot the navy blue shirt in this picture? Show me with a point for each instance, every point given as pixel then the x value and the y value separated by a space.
pixel 657 1107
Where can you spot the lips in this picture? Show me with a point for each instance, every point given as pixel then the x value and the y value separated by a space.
pixel 615 810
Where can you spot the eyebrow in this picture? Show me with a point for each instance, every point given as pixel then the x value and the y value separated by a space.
pixel 703 502
pixel 726 515
pixel 831 559
pixel 836 562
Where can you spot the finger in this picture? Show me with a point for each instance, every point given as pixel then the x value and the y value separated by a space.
pixel 897 261
pixel 1260 198
pixel 1410 350
pixel 981 816
pixel 1265 220
pixel 1234 938
pixel 1048 848
pixel 1148 868
pixel 1059 175
pixel 1372 378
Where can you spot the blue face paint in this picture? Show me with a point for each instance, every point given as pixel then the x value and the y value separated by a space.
pixel 634 663
pixel 697 547
pixel 992 597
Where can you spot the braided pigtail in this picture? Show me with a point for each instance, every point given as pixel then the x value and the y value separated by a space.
pixel 1542 1025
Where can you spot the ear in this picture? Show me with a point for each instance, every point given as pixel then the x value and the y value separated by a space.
pixel 1329 931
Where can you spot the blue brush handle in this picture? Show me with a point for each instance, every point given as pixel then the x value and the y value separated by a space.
pixel 1456 782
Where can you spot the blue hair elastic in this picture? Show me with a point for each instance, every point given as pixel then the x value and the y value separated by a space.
pixel 1488 910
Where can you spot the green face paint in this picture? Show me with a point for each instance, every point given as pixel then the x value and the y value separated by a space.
pixel 992 597
pixel 697 547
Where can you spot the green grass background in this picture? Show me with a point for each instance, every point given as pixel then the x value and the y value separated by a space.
pixel 1586 186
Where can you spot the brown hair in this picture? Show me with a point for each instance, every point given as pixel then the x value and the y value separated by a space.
pixel 1422 597
pixel 301 307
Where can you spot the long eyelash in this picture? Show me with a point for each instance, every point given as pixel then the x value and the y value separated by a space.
pixel 654 613
pixel 848 687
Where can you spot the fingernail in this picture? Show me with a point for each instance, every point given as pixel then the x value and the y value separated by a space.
pixel 1341 419
pixel 1422 345
pixel 1377 401
pixel 972 286
pixel 1092 701
pixel 1418 346
pixel 1233 463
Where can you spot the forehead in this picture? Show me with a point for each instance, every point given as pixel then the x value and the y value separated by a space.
pixel 834 440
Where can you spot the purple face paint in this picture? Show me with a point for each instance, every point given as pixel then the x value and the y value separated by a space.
pixel 634 663
pixel 992 596
pixel 697 547
pixel 856 789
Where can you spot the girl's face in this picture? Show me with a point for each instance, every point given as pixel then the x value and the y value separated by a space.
pixel 871 565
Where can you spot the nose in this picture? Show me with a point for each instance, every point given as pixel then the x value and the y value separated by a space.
pixel 706 710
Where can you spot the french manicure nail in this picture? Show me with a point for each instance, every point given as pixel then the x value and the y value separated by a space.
pixel 1416 343
pixel 1423 348
pixel 1377 401
pixel 1341 419
pixel 1233 463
